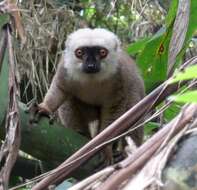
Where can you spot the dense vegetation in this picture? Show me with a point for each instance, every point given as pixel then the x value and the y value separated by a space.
pixel 159 35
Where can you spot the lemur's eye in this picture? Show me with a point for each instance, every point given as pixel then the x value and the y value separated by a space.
pixel 103 52
pixel 79 53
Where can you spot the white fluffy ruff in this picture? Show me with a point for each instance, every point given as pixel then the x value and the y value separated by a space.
pixel 91 37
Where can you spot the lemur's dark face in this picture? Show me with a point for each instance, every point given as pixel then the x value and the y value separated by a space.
pixel 91 57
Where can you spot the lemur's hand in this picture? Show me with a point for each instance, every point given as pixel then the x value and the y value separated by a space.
pixel 37 111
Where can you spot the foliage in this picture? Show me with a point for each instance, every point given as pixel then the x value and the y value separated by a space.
pixel 188 97
pixel 49 23
pixel 152 54
pixel 152 58
pixel 138 46
pixel 186 74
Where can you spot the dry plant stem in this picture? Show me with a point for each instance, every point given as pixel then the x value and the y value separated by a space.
pixel 138 159
pixel 18 23
pixel 168 152
pixel 3 45
pixel 10 6
pixel 97 176
pixel 150 174
pixel 179 33
pixel 10 147
pixel 117 127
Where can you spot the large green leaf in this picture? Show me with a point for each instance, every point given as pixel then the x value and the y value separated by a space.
pixel 153 59
pixel 171 13
pixel 137 46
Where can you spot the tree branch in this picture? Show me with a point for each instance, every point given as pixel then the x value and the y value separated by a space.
pixel 129 166
pixel 117 127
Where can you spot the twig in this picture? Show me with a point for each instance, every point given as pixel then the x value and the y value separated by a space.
pixel 137 160
pixel 97 176
pixel 179 33
pixel 150 174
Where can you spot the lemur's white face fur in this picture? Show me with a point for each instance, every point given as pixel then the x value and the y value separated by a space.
pixel 91 48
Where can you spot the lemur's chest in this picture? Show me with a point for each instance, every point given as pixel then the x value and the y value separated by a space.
pixel 93 93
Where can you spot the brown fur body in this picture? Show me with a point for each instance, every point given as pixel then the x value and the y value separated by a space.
pixel 80 102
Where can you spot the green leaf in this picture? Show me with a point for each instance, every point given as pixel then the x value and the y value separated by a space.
pixel 187 74
pixel 188 97
pixel 138 46
pixel 153 59
pixel 171 13
pixel 172 112
pixel 4 19
pixel 4 87
pixel 150 127
pixel 89 12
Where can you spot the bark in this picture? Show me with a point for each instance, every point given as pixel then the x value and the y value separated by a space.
pixel 135 162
